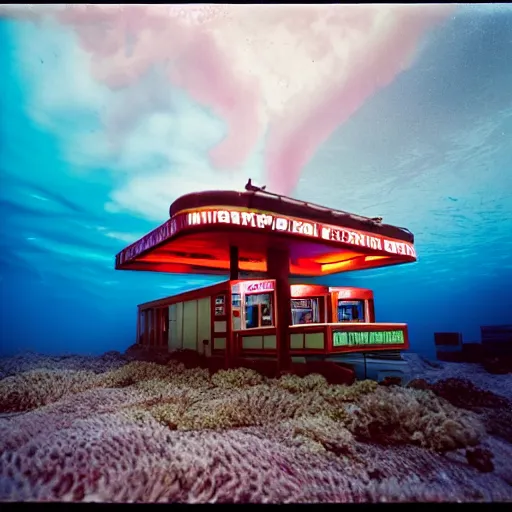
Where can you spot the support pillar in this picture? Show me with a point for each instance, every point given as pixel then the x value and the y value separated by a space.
pixel 231 352
pixel 233 263
pixel 278 268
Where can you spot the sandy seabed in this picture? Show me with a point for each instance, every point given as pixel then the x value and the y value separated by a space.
pixel 117 429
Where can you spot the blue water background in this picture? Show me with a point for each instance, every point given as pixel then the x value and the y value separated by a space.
pixel 432 152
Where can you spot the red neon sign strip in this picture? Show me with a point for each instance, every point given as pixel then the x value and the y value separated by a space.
pixel 260 221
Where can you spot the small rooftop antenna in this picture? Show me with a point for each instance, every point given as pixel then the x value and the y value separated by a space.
pixel 253 188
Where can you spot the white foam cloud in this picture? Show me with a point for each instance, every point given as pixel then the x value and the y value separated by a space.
pixel 159 158
pixel 49 58
pixel 159 145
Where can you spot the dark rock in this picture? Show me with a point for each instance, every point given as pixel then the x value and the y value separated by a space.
pixel 481 459
pixel 419 384
pixel 498 422
pixel 376 474
pixel 463 393
pixel 498 365
pixel 391 381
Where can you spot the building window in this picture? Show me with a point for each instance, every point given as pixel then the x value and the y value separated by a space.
pixel 305 311
pixel 258 310
pixel 351 311
pixel 236 300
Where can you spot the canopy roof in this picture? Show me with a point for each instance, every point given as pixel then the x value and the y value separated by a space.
pixel 202 227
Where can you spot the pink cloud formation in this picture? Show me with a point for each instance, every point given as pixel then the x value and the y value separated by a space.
pixel 181 42
pixel 292 73
pixel 300 130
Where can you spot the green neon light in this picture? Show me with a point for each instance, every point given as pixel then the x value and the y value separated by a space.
pixel 355 339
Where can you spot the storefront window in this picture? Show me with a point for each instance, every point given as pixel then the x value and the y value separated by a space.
pixel 235 300
pixel 258 310
pixel 351 311
pixel 305 311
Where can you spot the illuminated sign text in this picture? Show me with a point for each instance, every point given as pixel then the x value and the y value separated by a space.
pixel 283 224
pixel 355 339
pixel 259 286
pixel 265 222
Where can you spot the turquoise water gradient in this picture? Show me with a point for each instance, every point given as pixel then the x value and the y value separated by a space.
pixel 432 152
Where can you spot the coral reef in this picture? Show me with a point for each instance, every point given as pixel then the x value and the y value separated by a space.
pixel 495 411
pixel 404 416
pixel 10 366
pixel 159 431
pixel 36 388
pixel 237 378
pixel 297 384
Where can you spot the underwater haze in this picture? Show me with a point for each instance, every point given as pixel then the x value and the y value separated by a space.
pixel 109 113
